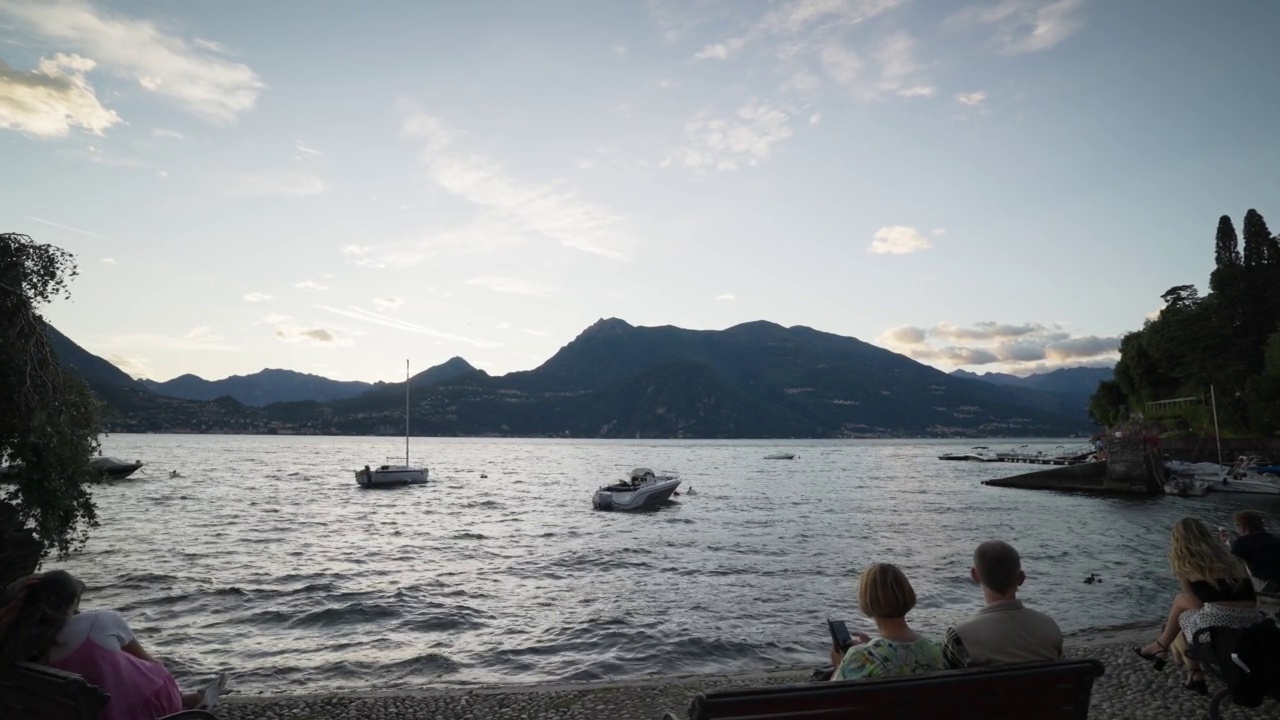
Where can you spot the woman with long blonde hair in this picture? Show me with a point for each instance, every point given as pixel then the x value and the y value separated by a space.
pixel 1216 592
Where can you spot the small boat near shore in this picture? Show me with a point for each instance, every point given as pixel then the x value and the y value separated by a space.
pixel 781 456
pixel 642 489
pixel 109 467
pixel 980 453
pixel 1186 486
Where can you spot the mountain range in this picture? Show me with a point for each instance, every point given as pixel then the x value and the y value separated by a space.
pixel 1076 382
pixel 757 379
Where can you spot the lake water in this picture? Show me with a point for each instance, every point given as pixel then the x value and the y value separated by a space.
pixel 267 560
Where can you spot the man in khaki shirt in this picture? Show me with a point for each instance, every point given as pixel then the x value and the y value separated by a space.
pixel 1004 631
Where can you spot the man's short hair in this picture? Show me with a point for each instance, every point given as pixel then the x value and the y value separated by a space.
pixel 884 592
pixel 997 564
pixel 1250 520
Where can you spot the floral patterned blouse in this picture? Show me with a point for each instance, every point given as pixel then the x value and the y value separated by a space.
pixel 886 658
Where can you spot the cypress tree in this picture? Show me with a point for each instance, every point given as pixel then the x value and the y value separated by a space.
pixel 1226 256
pixel 1256 239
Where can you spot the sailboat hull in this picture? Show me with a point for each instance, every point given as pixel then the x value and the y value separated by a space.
pixel 391 476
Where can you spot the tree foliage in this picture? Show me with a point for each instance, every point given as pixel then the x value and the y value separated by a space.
pixel 50 421
pixel 1226 339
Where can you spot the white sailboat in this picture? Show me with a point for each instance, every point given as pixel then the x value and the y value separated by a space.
pixel 392 475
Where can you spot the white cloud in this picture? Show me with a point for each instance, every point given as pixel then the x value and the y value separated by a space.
pixel 815 118
pixel 535 333
pixel 395 323
pixel 720 50
pixel 972 99
pixel 304 150
pixel 511 286
pixel 310 285
pixel 725 297
pixel 161 133
pixel 891 69
pixel 254 297
pixel 727 144
pixel 1025 347
pixel 275 184
pixel 273 319
pixel 585 163
pixel 356 250
pixel 898 240
pixel 390 302
pixel 52 99
pixel 302 335
pixel 199 338
pixel 108 261
pixel 134 367
pixel 202 334
pixel 1024 26
pixel 620 50
pixel 195 74
pixel 547 210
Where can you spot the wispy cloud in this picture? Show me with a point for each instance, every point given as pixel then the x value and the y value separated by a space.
pixel 108 261
pixel 133 366
pixel 900 240
pixel 891 69
pixel 973 99
pixel 199 338
pixel 255 297
pixel 275 185
pixel 194 74
pixel 303 335
pixel 729 143
pixel 547 210
pixel 304 150
pixel 390 302
pixel 373 318
pixel 727 297
pixel 1024 26
pixel 786 21
pixel 310 285
pixel 356 250
pixel 163 134
pixel 511 286
pixel 50 223
pixel 52 99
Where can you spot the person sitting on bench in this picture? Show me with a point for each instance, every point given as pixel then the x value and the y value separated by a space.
pixel 885 596
pixel 1216 592
pixel 97 645
pixel 1259 549
pixel 1004 631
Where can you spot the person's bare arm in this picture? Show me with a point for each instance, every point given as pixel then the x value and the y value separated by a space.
pixel 135 649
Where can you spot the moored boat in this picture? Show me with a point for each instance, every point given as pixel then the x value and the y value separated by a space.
pixel 980 453
pixel 781 456
pixel 642 489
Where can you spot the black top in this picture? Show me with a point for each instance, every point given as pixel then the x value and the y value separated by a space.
pixel 1223 590
pixel 1261 550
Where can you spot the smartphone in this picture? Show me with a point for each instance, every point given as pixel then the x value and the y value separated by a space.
pixel 840 637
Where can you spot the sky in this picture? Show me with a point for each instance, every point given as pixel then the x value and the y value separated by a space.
pixel 1004 185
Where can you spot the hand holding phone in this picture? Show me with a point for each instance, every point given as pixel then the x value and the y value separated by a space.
pixel 841 638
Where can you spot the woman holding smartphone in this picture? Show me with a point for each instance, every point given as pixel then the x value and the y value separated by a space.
pixel 885 596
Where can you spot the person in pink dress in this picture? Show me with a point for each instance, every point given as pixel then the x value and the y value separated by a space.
pixel 97 645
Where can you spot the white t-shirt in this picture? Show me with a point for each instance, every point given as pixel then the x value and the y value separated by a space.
pixel 104 627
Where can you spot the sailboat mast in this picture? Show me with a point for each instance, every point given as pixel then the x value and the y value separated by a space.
pixel 1216 436
pixel 406 412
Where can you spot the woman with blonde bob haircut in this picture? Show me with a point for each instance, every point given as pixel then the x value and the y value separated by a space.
pixel 1216 592
pixel 885 596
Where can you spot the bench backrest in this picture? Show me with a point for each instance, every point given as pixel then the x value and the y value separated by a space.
pixel 35 692
pixel 1044 691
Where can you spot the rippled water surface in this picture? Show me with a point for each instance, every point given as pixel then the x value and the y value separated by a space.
pixel 267 560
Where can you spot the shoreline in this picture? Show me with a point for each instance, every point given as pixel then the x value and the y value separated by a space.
pixel 1114 635
pixel 1129 688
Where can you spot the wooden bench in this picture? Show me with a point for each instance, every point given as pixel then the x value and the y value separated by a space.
pixel 1041 691
pixel 36 692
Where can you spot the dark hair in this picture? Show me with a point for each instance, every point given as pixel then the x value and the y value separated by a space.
pixel 1250 520
pixel 997 564
pixel 45 609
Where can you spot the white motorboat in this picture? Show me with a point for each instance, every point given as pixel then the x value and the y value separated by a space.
pixel 1243 477
pixel 980 453
pixel 109 467
pixel 1186 486
pixel 781 456
pixel 394 475
pixel 642 489
pixel 113 468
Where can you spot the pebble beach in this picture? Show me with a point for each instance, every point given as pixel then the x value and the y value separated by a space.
pixel 1130 689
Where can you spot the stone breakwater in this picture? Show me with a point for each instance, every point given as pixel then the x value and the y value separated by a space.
pixel 1130 690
